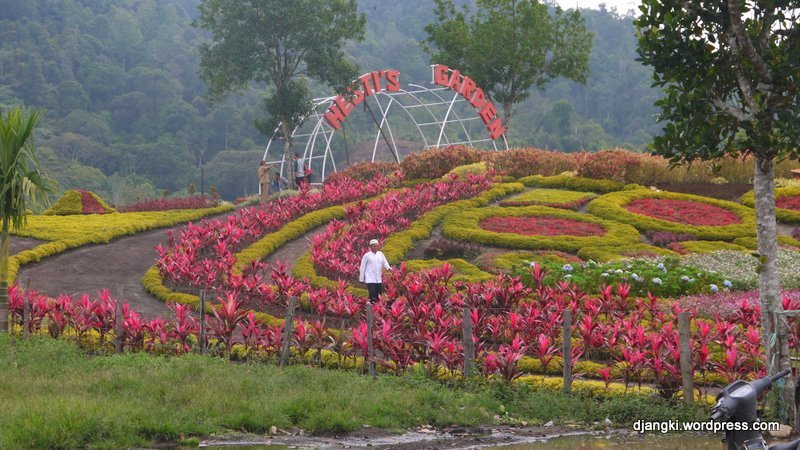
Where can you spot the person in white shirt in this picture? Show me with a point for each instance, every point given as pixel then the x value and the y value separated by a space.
pixel 372 264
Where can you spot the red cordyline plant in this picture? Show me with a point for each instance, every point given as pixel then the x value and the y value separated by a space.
pixel 199 255
pixel 337 252
pixel 504 361
pixel 226 317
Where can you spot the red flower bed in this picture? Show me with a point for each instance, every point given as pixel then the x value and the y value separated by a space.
pixel 788 202
pixel 542 226
pixel 683 211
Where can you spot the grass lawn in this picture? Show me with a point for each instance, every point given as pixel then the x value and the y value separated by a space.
pixel 55 396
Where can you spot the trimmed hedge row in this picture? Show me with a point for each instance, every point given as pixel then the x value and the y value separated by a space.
pixel 572 182
pixel 752 242
pixel 782 214
pixel 68 232
pixel 465 226
pixel 613 253
pixel 710 246
pixel 464 270
pixel 554 198
pixel 304 268
pixel 612 206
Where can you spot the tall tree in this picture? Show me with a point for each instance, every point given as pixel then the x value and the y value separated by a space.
pixel 20 181
pixel 279 42
pixel 507 46
pixel 729 73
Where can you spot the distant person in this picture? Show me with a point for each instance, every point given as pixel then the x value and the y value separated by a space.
pixel 372 264
pixel 263 179
pixel 299 171
pixel 278 183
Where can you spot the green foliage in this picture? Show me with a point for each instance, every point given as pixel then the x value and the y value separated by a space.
pixel 507 46
pixel 136 400
pixel 710 246
pixel 666 278
pixel 609 253
pixel 612 206
pixel 509 262
pixel 710 111
pixel 464 225
pixel 549 197
pixel 572 182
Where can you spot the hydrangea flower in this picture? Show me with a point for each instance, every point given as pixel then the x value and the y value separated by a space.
pixel 661 267
pixel 685 278
pixel 618 271
pixel 637 277
pixel 727 284
pixel 567 268
pixel 713 288
pixel 657 281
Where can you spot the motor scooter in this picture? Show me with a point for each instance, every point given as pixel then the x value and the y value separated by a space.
pixel 737 404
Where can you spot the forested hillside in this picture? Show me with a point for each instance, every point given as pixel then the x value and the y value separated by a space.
pixel 126 116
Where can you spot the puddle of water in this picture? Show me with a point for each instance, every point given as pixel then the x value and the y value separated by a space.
pixel 621 442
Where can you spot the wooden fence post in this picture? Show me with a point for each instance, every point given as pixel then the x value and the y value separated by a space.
pixel 370 349
pixel 118 327
pixel 26 316
pixel 469 344
pixel 203 322
pixel 567 350
pixel 686 357
pixel 287 330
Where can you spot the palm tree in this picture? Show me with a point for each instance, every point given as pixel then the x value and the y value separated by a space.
pixel 20 180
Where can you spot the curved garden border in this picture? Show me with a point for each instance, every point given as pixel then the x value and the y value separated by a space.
pixel 612 206
pixel 464 226
pixel 782 214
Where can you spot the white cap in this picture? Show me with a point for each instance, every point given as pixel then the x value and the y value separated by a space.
pixel 374 242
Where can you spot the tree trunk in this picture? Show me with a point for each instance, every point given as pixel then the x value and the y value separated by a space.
pixel 287 150
pixel 4 237
pixel 774 326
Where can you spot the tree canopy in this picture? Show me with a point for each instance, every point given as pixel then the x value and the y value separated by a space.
pixel 279 42
pixel 508 46
pixel 729 73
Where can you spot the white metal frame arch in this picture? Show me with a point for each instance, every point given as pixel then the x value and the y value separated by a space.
pixel 320 156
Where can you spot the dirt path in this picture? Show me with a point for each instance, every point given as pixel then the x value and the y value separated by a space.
pixel 117 266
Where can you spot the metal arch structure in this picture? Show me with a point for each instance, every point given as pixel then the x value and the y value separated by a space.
pixel 439 116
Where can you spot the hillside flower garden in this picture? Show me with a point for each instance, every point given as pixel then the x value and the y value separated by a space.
pixel 523 260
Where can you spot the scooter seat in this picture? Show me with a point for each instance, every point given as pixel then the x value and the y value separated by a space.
pixel 794 445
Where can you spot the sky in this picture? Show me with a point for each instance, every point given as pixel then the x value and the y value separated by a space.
pixel 622 5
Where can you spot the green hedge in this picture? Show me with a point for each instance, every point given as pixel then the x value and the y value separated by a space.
pixel 304 268
pixel 612 206
pixel 465 226
pixel 752 242
pixel 554 198
pixel 711 246
pixel 606 253
pixel 572 182
pixel 464 270
pixel 782 214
